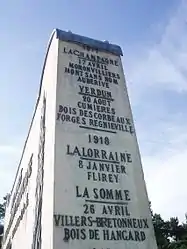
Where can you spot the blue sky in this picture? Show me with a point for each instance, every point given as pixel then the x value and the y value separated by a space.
pixel 153 36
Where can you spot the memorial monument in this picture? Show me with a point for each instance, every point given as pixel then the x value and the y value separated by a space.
pixel 80 183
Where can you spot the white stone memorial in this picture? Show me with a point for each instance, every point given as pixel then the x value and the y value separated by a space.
pixel 80 182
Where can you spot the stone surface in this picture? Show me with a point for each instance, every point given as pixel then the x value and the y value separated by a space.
pixel 80 181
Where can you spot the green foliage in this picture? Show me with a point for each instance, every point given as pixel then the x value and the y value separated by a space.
pixel 2 211
pixel 170 234
pixel 2 208
pixel 2 215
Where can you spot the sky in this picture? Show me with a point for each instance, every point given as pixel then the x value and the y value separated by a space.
pixel 153 36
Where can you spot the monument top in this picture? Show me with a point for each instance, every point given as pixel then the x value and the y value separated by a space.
pixel 79 39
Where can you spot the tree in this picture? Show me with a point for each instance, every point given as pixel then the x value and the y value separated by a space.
pixel 2 211
pixel 2 215
pixel 161 231
pixel 2 208
pixel 1 235
pixel 170 234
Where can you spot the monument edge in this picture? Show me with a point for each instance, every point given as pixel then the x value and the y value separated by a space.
pixel 35 107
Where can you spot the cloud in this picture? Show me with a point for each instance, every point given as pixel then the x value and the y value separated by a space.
pixel 8 149
pixel 157 81
pixel 164 63
pixel 165 175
